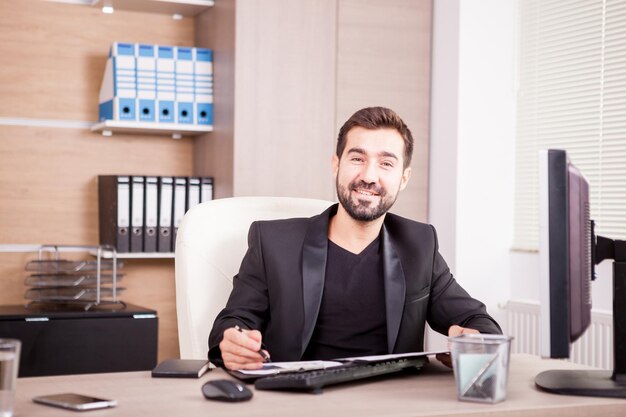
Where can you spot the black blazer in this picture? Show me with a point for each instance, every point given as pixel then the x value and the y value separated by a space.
pixel 281 280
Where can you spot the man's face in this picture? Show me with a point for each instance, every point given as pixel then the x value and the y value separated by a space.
pixel 370 173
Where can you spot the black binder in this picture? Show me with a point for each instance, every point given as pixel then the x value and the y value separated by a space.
pixel 164 232
pixel 151 213
pixel 193 192
pixel 136 213
pixel 206 189
pixel 180 206
pixel 114 211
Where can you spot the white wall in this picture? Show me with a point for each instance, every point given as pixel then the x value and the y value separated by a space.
pixel 442 199
pixel 472 177
pixel 480 142
pixel 486 144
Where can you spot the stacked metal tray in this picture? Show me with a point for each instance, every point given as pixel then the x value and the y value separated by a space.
pixel 64 281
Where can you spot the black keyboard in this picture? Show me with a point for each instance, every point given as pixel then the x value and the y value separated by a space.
pixel 315 380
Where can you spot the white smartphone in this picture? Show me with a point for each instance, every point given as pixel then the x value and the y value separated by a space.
pixel 75 402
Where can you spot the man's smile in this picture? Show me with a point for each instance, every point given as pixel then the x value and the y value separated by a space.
pixel 366 192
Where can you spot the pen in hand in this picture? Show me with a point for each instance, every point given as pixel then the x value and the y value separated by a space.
pixel 262 352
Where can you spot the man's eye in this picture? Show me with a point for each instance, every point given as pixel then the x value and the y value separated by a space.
pixel 387 164
pixel 356 159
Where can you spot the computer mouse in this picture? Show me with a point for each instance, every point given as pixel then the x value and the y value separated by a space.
pixel 226 390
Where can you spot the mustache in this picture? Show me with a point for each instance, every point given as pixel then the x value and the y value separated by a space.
pixel 360 184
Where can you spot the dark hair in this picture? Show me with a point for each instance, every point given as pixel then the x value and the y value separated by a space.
pixel 377 118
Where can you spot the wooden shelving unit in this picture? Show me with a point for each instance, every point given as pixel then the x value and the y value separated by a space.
pixel 186 8
pixel 177 131
pixel 136 255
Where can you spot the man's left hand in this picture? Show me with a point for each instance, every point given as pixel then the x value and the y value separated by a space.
pixel 454 330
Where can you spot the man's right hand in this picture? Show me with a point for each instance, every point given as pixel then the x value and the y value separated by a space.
pixel 240 349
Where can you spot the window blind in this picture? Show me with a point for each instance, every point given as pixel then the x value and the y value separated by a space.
pixel 572 96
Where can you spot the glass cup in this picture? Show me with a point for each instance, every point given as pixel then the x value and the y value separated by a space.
pixel 481 366
pixel 9 362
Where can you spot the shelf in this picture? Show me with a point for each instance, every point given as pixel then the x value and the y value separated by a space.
pixel 177 131
pixel 186 8
pixel 137 255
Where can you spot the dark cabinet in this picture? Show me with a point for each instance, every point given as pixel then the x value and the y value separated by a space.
pixel 59 340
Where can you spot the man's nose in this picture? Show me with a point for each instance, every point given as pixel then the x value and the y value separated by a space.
pixel 370 173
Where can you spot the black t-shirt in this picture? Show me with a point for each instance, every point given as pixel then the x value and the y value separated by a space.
pixel 352 319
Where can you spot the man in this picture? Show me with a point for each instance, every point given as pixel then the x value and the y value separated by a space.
pixel 352 281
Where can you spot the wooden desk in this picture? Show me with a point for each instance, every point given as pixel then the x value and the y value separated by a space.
pixel 430 393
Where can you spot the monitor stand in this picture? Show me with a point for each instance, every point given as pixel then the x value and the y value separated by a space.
pixel 591 382
pixel 578 382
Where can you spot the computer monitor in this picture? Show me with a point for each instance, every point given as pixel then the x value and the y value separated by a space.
pixel 568 252
pixel 564 254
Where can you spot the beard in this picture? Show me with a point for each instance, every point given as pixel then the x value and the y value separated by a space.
pixel 364 210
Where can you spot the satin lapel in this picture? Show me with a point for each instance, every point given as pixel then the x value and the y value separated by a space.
pixel 395 288
pixel 314 254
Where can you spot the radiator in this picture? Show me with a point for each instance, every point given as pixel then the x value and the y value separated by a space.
pixel 594 348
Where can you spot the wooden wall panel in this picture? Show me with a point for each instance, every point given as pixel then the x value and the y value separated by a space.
pixel 285 98
pixel 53 55
pixel 383 59
pixel 48 190
pixel 12 277
pixel 213 152
pixel 53 60
pixel 150 283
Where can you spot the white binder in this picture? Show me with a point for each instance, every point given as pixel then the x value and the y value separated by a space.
pixel 180 200
pixel 151 215
pixel 184 85
pixel 136 213
pixel 118 91
pixel 193 192
pixel 146 83
pixel 206 189
pixel 203 85
pixel 165 84
pixel 166 195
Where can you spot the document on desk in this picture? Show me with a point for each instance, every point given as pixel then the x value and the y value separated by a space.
pixel 391 356
pixel 272 368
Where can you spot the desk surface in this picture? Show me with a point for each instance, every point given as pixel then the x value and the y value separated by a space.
pixel 430 393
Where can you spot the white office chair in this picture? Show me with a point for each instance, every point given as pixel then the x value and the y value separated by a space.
pixel 211 242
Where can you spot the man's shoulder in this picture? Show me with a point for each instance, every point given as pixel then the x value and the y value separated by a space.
pixel 396 221
pixel 284 223
pixel 410 234
pixel 289 225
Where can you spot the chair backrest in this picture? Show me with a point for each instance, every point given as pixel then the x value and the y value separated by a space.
pixel 211 242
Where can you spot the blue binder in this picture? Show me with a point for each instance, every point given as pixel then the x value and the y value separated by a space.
pixel 203 85
pixel 146 82
pixel 118 92
pixel 184 85
pixel 166 84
